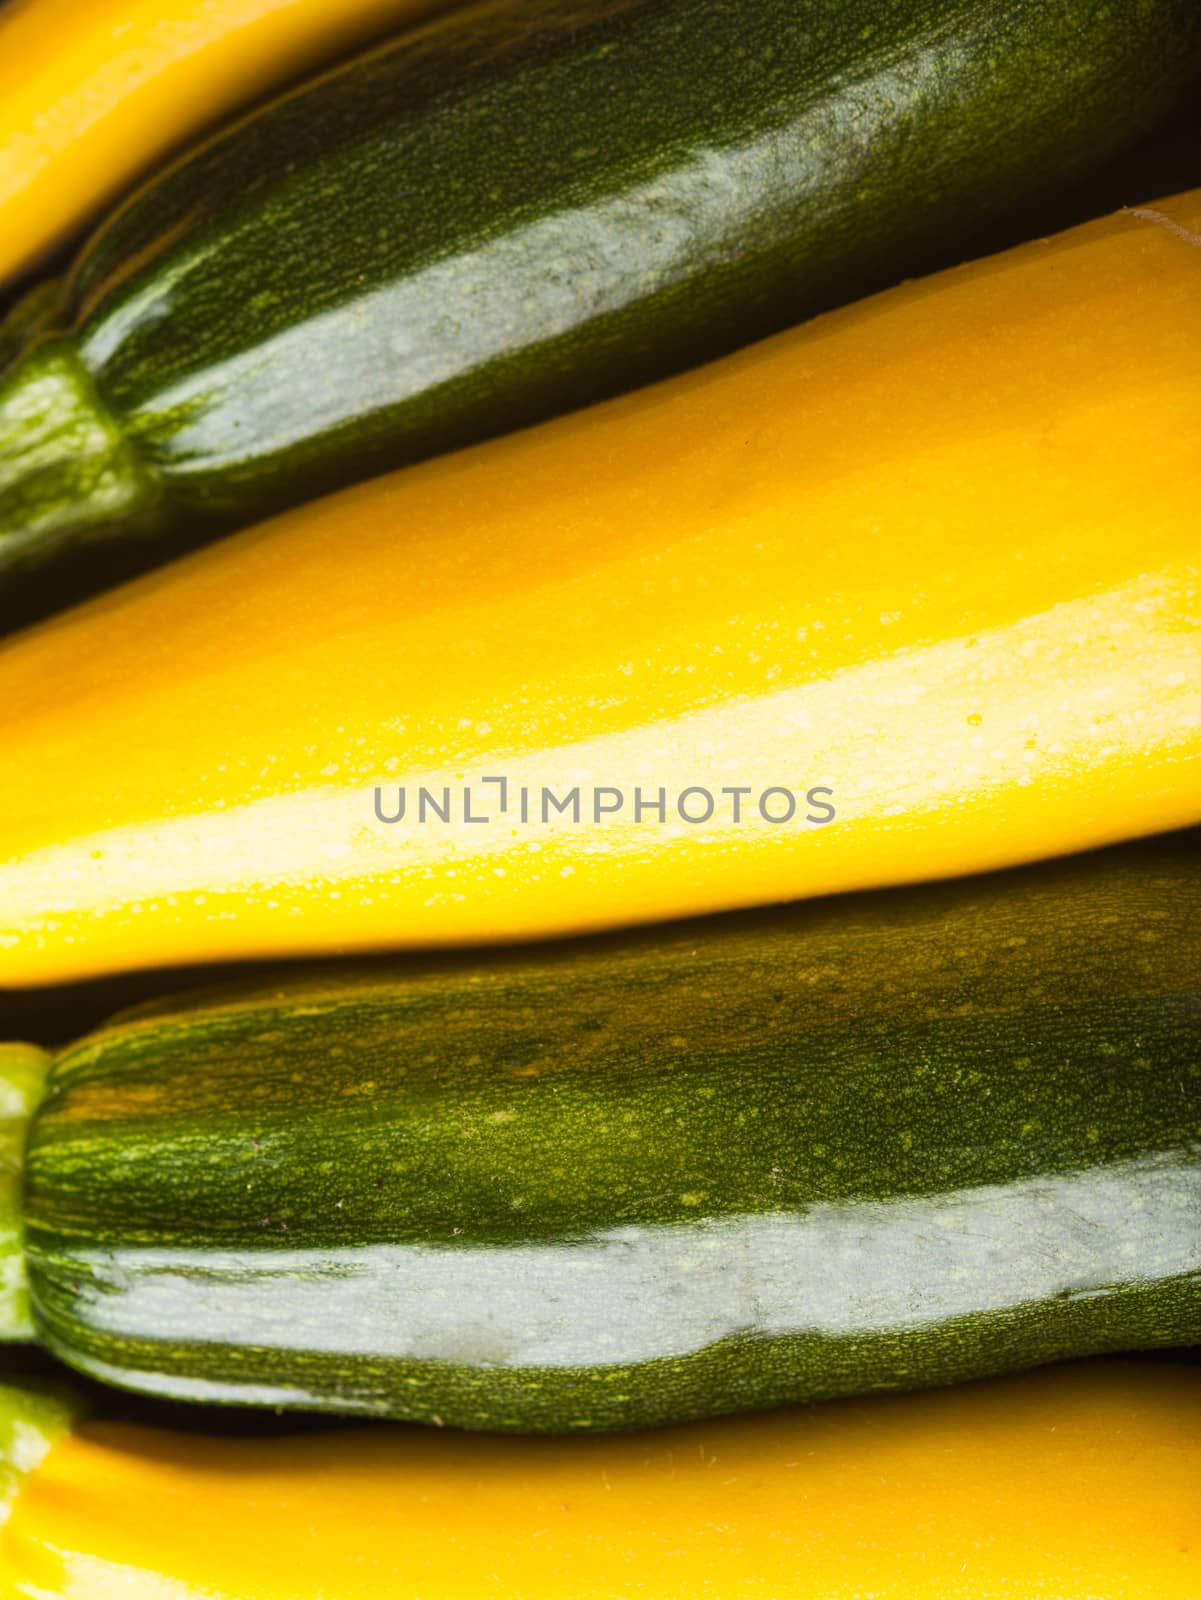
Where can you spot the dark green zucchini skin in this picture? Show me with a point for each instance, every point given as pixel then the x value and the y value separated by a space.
pixel 893 1141
pixel 533 204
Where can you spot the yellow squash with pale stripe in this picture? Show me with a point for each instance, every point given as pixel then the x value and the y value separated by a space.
pixel 935 555
pixel 1072 1483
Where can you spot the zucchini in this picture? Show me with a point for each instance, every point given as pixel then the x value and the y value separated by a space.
pixel 872 1145
pixel 946 573
pixel 1077 1483
pixel 510 212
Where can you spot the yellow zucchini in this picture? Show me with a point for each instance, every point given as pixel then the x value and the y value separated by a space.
pixel 93 92
pixel 1076 1483
pixel 928 566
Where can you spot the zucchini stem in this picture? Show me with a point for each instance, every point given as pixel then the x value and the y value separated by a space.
pixel 23 1070
pixel 67 474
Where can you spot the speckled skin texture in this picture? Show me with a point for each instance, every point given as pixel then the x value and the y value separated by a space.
pixel 535 204
pixel 888 1142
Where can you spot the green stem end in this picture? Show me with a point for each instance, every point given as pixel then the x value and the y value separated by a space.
pixel 68 476
pixel 23 1070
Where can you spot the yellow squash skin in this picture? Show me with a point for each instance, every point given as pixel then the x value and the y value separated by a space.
pixel 1076 1484
pixel 937 552
pixel 92 92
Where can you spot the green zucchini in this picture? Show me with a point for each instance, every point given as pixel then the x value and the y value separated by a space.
pixel 887 1142
pixel 520 208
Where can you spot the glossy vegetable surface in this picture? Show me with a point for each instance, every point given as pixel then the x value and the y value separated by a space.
pixel 934 553
pixel 860 1146
pixel 524 207
pixel 1077 1484
pixel 92 92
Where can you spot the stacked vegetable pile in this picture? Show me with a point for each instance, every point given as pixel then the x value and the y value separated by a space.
pixel 578 609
